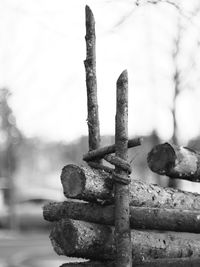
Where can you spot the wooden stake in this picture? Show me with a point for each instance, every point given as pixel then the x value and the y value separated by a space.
pixel 91 81
pixel 122 213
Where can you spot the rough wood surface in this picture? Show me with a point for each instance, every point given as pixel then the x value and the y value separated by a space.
pixel 101 152
pixel 89 264
pixel 140 217
pixel 86 183
pixel 123 257
pixel 96 242
pixel 89 184
pixel 175 162
pixel 175 262
pixel 91 81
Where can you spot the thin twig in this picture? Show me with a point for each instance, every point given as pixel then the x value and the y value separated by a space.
pixel 101 152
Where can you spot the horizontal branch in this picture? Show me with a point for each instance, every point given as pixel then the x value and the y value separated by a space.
pixel 89 184
pixel 140 217
pixel 101 152
pixel 96 242
pixel 175 162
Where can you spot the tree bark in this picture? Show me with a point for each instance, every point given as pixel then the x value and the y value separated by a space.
pixel 174 262
pixel 140 217
pixel 91 81
pixel 175 162
pixel 96 242
pixel 90 264
pixel 86 183
pixel 122 210
pixel 89 184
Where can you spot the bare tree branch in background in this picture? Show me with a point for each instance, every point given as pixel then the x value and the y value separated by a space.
pixel 176 80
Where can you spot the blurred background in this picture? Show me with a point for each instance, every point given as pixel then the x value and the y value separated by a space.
pixel 43 106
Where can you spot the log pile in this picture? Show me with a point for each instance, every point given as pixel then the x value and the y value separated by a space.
pixel 83 224
pixel 109 220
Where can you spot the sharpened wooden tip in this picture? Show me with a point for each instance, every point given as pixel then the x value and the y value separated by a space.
pixel 123 78
pixel 89 16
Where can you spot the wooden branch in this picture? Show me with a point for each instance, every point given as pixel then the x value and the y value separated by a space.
pixel 174 262
pixel 175 162
pixel 140 217
pixel 120 163
pixel 91 82
pixel 96 242
pixel 122 211
pixel 102 167
pixel 91 185
pixel 101 152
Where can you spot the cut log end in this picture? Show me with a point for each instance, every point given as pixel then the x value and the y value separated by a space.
pixel 79 182
pixel 73 180
pixel 59 244
pixel 81 239
pixel 161 158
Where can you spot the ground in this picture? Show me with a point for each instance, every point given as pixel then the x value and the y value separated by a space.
pixel 28 250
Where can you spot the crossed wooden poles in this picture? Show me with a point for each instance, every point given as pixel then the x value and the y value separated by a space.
pixel 109 198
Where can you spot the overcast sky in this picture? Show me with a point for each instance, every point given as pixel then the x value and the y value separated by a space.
pixel 42 49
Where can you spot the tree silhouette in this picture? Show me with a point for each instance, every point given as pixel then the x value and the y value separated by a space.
pixel 9 139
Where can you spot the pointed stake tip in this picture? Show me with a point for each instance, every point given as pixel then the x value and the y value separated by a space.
pixel 88 9
pixel 123 77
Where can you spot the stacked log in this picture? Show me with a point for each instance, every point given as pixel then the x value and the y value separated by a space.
pixel 85 229
pixel 83 224
pixel 96 242
pixel 175 162
pixel 93 185
pixel 140 217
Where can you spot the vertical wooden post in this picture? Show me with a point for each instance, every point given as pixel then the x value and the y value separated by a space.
pixel 122 224
pixel 91 81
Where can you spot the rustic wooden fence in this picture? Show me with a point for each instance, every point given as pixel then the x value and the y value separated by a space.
pixel 111 220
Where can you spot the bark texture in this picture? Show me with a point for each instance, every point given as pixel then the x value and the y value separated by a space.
pixel 91 81
pixel 175 162
pixel 96 242
pixel 140 217
pixel 175 262
pixel 86 183
pixel 101 152
pixel 122 211
pixel 89 264
pixel 89 184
